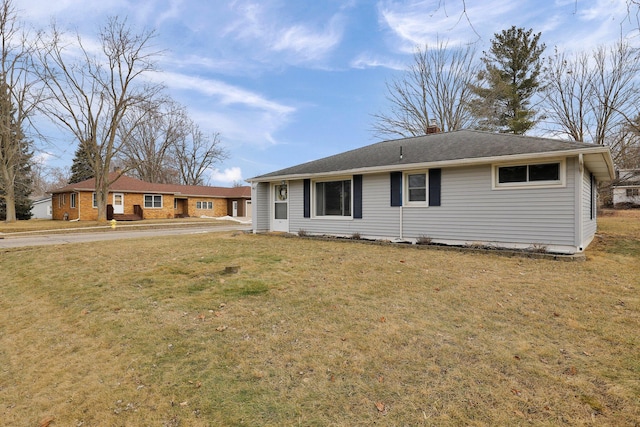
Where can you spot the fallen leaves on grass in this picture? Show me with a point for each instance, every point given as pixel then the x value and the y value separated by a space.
pixel 46 421
pixel 221 328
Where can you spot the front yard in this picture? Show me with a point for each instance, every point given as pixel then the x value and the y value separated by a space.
pixel 310 332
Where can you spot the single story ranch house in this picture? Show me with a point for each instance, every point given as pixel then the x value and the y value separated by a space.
pixel 132 199
pixel 456 188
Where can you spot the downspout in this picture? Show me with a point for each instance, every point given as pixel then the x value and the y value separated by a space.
pixel 580 228
pixel 401 223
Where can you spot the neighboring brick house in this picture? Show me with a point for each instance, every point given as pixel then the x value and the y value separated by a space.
pixel 131 199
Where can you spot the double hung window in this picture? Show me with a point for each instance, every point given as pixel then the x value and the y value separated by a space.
pixel 153 200
pixel 416 185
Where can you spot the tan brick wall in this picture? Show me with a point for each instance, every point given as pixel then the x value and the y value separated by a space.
pixel 218 208
pixel 166 211
pixel 61 204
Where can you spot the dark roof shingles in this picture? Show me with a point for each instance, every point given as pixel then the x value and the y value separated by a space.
pixel 457 145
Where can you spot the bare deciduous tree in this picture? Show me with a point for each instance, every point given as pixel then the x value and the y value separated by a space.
pixel 196 153
pixel 46 179
pixel 90 94
pixel 595 98
pixel 148 150
pixel 18 97
pixel 569 86
pixel 435 87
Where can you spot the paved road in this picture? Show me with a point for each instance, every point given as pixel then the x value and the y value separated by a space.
pixel 61 238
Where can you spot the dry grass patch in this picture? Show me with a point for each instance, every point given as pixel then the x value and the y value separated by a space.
pixel 318 333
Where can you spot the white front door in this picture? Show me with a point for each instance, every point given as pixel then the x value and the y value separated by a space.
pixel 235 208
pixel 280 211
pixel 118 203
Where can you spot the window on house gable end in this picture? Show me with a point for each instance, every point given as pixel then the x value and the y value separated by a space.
pixel 546 174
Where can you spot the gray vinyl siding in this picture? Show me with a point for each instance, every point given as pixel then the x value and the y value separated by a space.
pixel 379 219
pixel 472 211
pixel 261 206
pixel 588 224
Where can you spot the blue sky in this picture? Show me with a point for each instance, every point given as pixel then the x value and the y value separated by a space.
pixel 288 81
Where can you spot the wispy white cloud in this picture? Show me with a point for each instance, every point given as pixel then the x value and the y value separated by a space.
pixel 310 44
pixel 225 94
pixel 564 23
pixel 239 115
pixel 416 22
pixel 41 158
pixel 227 176
pixel 369 60
pixel 174 11
pixel 298 40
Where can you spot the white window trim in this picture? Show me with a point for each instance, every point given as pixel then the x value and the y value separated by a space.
pixel 153 196
pixel 313 199
pixel 405 189
pixel 562 182
pixel 73 200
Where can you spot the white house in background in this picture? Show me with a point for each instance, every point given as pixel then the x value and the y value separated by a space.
pixel 41 208
pixel 626 192
pixel 458 188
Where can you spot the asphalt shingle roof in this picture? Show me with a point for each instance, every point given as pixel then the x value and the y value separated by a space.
pixel 449 146
pixel 127 184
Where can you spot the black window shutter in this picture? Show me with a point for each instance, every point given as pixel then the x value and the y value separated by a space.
pixel 307 198
pixel 435 181
pixel 396 188
pixel 357 196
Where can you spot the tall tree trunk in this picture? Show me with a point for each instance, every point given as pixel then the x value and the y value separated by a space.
pixel 9 195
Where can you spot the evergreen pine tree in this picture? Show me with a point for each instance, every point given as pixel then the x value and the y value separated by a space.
pixel 82 168
pixel 15 155
pixel 510 79
pixel 22 182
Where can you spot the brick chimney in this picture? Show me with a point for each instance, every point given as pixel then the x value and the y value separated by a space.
pixel 433 127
